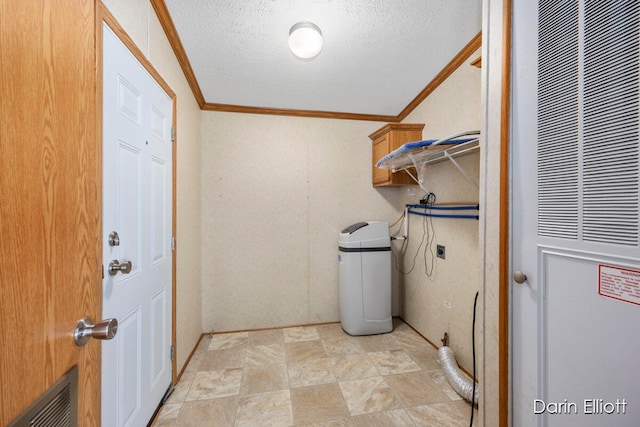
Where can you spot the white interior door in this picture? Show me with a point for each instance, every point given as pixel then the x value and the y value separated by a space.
pixel 575 200
pixel 137 165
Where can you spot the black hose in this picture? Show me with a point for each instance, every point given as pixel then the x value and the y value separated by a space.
pixel 473 347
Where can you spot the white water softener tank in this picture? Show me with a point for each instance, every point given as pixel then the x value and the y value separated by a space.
pixel 364 272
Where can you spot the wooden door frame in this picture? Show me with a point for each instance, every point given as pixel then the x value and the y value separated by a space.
pixel 504 238
pixel 104 16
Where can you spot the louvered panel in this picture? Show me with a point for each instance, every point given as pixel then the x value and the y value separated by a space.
pixel 56 407
pixel 557 119
pixel 610 156
pixel 56 413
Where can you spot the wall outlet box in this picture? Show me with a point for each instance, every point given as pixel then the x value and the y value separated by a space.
pixel 440 251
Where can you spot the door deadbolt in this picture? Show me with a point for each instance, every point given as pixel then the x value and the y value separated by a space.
pixel 115 266
pixel 114 239
pixel 85 330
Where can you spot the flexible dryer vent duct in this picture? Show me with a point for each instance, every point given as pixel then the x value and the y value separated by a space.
pixel 461 383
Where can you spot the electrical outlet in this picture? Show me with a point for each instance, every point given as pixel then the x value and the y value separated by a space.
pixel 440 252
pixel 447 304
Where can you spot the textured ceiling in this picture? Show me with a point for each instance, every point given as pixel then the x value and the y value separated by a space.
pixel 377 56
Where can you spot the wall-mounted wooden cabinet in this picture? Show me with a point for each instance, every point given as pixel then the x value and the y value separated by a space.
pixel 385 140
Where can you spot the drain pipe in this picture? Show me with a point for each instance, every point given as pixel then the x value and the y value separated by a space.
pixel 461 383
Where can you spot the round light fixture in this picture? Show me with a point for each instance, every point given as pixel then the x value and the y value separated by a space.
pixel 305 40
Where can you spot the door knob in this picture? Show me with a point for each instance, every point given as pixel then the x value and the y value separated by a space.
pixel 85 330
pixel 519 277
pixel 115 266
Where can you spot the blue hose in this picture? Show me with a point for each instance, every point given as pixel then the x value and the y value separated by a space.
pixel 446 208
pixel 444 216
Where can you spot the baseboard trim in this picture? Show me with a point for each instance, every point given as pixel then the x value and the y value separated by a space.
pixel 309 324
pixel 469 374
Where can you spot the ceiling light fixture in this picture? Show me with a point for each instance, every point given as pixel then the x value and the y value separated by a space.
pixel 305 40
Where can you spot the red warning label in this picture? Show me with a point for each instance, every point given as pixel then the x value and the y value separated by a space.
pixel 619 283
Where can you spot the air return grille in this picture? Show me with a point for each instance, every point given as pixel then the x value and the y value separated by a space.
pixel 611 122
pixel 56 412
pixel 557 119
pixel 588 120
pixel 57 407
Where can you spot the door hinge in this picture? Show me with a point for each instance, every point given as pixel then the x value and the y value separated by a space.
pixel 172 353
pixel 173 134
pixel 173 243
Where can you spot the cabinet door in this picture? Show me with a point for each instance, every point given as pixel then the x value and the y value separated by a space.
pixel 385 140
pixel 380 149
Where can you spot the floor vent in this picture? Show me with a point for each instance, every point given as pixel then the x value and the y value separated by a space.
pixel 57 407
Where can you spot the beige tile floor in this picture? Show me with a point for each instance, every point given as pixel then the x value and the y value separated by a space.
pixel 314 376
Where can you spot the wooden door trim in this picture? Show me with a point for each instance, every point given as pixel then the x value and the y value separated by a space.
pixel 104 16
pixel 503 282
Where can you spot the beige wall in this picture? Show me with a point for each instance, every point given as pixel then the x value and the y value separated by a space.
pixel 139 20
pixel 452 108
pixel 276 191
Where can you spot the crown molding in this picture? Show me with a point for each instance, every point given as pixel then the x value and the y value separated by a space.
pixel 174 39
